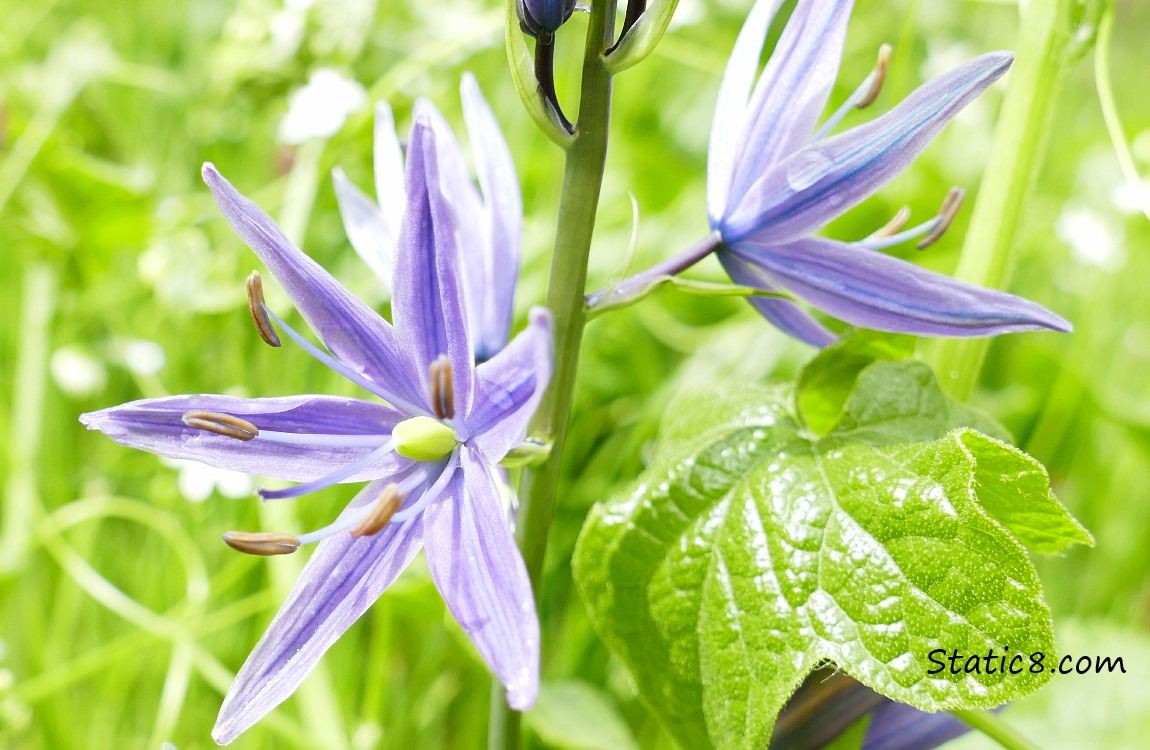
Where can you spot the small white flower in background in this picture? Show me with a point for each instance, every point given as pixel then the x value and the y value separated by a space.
pixel 1094 238
pixel 197 481
pixel 319 109
pixel 77 372
pixel 1132 198
pixel 142 357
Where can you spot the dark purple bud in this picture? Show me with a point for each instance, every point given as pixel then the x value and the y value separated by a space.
pixel 542 18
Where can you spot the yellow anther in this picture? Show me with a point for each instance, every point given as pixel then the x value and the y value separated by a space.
pixel 877 78
pixel 894 226
pixel 442 388
pixel 260 543
pixel 946 214
pixel 221 424
pixel 380 514
pixel 258 310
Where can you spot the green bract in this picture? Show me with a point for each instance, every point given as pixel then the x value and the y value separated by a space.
pixel 753 549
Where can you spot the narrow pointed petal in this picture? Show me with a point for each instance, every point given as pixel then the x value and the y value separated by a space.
pixel 731 104
pixel 342 579
pixel 783 314
pixel 503 214
pixel 460 192
pixel 351 330
pixel 793 89
pixel 873 290
pixel 366 229
pixel 156 426
pixel 508 388
pixel 390 192
pixel 819 182
pixel 473 559
pixel 430 307
pixel 897 726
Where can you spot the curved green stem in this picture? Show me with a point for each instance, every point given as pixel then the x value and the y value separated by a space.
pixel 578 204
pixel 995 728
pixel 988 255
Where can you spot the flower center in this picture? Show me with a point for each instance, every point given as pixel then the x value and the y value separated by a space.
pixel 423 439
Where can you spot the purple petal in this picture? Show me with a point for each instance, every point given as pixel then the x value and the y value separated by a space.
pixel 508 388
pixel 897 726
pixel 473 559
pixel 342 579
pixel 814 185
pixel 503 213
pixel 783 314
pixel 156 426
pixel 429 302
pixel 351 330
pixel 460 193
pixel 366 228
pixel 390 192
pixel 793 90
pixel 731 104
pixel 877 291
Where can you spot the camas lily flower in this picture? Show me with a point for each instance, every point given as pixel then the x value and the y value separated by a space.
pixel 773 179
pixel 429 453
pixel 490 218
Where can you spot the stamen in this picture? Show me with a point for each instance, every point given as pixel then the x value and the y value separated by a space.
pixel 442 388
pixel 930 231
pixel 333 478
pixel 379 514
pixel 354 518
pixel 221 424
pixel 861 97
pixel 875 79
pixel 264 544
pixel 897 222
pixel 945 218
pixel 431 493
pixel 335 364
pixel 258 310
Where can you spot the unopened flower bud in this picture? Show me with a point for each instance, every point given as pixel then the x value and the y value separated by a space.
pixel 542 18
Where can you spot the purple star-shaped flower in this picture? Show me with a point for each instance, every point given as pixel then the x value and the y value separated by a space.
pixel 429 452
pixel 773 179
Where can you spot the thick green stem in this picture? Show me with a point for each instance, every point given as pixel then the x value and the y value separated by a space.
pixel 578 205
pixel 988 255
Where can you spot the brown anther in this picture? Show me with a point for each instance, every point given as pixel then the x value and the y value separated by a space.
pixel 895 225
pixel 221 424
pixel 259 311
pixel 877 78
pixel 442 388
pixel 946 214
pixel 380 514
pixel 262 543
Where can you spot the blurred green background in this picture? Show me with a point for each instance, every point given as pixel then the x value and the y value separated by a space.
pixel 122 616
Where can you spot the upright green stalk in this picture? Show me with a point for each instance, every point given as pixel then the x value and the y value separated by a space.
pixel 578 205
pixel 988 254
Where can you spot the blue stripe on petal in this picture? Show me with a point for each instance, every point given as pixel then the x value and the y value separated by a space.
pixel 342 579
pixel 873 290
pixel 819 182
pixel 785 315
pixel 351 330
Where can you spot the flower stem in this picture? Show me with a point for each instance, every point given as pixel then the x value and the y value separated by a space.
pixel 988 255
pixel 995 728
pixel 578 204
